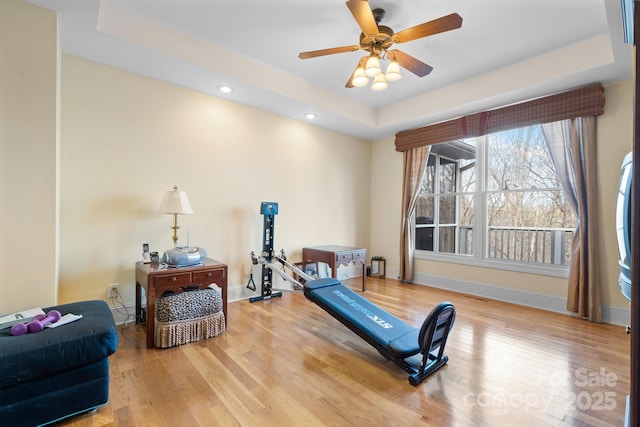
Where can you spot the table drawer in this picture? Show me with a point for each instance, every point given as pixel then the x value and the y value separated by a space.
pixel 207 277
pixel 173 279
pixel 343 256
pixel 359 255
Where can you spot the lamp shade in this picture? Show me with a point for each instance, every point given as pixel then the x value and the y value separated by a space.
pixel 175 202
pixel 372 68
pixel 379 83
pixel 359 78
pixel 393 72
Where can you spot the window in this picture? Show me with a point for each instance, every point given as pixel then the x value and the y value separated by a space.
pixel 503 184
pixel 444 210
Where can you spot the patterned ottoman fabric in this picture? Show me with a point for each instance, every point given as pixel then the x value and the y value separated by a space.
pixel 188 317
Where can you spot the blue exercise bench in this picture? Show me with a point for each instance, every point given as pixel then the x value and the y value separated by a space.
pixel 420 352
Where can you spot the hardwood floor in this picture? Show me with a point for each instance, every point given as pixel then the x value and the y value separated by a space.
pixel 286 362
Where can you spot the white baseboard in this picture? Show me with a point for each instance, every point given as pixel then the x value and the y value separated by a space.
pixel 616 315
pixel 610 314
pixel 242 293
pixel 239 293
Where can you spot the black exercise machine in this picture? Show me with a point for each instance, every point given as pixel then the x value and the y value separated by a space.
pixel 271 262
pixel 269 210
pixel 420 352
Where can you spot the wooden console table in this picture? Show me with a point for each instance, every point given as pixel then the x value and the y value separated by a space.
pixel 336 256
pixel 155 280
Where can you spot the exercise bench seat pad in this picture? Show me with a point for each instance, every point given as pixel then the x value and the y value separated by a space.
pixel 385 329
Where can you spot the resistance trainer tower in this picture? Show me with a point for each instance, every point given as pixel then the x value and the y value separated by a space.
pixel 268 257
pixel 269 210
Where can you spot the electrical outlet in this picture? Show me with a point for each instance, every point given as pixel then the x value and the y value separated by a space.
pixel 112 290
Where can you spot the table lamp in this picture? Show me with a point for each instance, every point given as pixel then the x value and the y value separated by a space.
pixel 176 203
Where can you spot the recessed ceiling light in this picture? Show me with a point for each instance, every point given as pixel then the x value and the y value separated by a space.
pixel 224 88
pixel 311 116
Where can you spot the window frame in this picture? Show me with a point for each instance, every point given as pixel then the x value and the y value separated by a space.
pixel 479 257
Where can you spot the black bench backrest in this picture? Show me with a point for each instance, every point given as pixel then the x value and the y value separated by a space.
pixel 435 330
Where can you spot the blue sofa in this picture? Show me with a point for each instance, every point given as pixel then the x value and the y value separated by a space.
pixel 59 372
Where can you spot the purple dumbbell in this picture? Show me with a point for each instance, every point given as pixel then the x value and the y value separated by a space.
pixel 37 324
pixel 40 321
pixel 19 329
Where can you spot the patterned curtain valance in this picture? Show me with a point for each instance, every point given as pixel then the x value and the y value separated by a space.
pixel 585 101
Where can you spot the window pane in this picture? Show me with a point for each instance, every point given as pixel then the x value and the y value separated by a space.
pixel 450 171
pixel 447 240
pixel 428 182
pixel 465 230
pixel 529 226
pixel 447 209
pixel 424 209
pixel 447 176
pixel 519 159
pixel 543 246
pixel 466 241
pixel 424 238
pixel 466 210
pixel 467 176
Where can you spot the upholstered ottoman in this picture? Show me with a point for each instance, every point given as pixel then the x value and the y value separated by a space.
pixel 181 318
pixel 59 372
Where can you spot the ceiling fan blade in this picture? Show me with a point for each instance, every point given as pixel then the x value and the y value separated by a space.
pixel 412 64
pixel 330 51
pixel 362 12
pixel 440 25
pixel 362 63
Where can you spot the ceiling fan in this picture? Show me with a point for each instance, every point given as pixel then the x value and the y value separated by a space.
pixel 377 39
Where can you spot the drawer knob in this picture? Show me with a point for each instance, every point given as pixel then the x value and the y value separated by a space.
pixel 174 278
pixel 209 274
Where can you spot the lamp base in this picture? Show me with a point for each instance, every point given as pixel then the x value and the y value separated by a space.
pixel 175 227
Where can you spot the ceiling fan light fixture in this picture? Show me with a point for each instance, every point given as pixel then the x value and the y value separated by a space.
pixel 393 72
pixel 359 78
pixel 379 83
pixel 372 68
pixel 377 40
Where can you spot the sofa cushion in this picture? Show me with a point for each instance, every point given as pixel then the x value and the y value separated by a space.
pixel 33 356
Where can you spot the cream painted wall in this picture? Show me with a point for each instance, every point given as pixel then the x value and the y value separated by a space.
pixel 126 139
pixel 614 141
pixel 386 198
pixel 28 156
